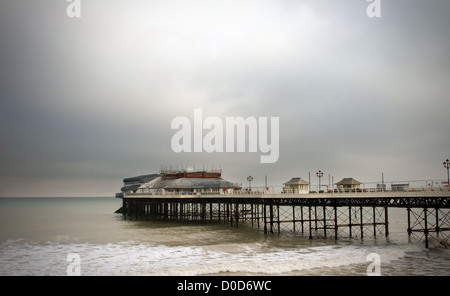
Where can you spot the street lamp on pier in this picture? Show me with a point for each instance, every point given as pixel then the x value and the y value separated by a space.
pixel 320 175
pixel 447 166
pixel 249 179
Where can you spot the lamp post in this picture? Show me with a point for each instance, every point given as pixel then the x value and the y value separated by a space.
pixel 447 166
pixel 249 179
pixel 320 175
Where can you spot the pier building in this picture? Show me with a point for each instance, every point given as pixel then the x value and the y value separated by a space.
pixel 348 184
pixel 296 185
pixel 184 181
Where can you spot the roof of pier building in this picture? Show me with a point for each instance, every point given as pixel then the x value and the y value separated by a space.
pixel 141 179
pixel 196 183
pixel 178 180
pixel 133 183
pixel 348 182
pixel 296 181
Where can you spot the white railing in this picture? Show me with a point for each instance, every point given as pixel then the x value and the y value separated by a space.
pixel 368 187
pixel 279 191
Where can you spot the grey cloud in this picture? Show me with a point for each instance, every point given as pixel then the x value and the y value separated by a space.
pixel 91 99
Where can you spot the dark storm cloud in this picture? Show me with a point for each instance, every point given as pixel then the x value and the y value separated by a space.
pixel 86 102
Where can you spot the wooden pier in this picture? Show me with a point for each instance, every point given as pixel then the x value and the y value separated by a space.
pixel 335 215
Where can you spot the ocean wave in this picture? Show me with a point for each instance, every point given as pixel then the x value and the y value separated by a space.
pixel 21 257
pixel 280 261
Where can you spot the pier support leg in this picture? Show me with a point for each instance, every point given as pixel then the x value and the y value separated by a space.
pixel 257 215
pixel 315 216
pixel 310 224
pixel 218 211
pixel 265 218
pixel 425 231
pixel 271 218
pixel 124 209
pixel 436 229
pixel 278 218
pixel 293 219
pixel 350 220
pixel 301 218
pixel 335 223
pixel 361 221
pixel 408 210
pixel 251 214
pixel 210 211
pixel 182 211
pixel 136 211
pixel 237 215
pixel 386 221
pixel 374 222
pixel 166 210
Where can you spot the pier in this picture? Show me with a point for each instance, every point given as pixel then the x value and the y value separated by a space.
pixel 349 214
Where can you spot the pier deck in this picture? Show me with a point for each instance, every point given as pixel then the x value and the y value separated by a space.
pixel 343 214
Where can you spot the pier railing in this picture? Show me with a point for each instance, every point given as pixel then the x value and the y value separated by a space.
pixel 272 191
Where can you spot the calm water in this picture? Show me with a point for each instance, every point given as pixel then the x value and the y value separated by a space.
pixel 38 234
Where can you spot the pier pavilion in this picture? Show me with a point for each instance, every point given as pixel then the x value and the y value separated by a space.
pixel 185 181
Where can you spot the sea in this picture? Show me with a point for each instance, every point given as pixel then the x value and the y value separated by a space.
pixel 83 236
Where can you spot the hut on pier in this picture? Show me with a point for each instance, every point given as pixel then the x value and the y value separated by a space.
pixel 348 184
pixel 296 185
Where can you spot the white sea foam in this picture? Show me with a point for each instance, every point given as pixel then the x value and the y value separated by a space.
pixel 20 257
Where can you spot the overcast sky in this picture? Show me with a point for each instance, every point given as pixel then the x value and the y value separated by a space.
pixel 88 101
